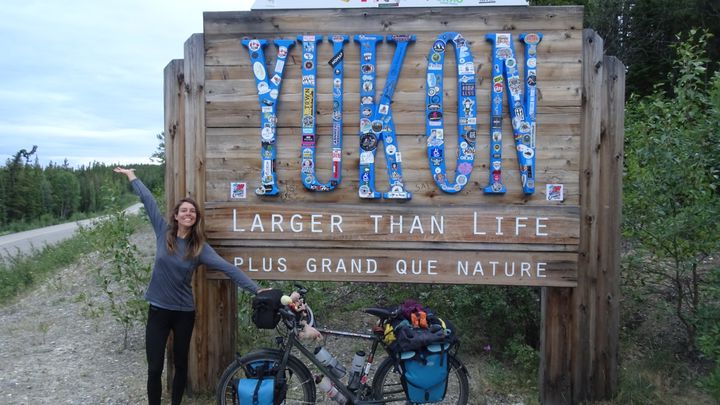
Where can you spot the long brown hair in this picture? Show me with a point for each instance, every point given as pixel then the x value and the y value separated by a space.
pixel 196 236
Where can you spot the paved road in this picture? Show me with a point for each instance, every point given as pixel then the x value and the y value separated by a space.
pixel 23 242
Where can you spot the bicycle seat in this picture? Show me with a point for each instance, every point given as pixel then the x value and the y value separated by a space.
pixel 382 313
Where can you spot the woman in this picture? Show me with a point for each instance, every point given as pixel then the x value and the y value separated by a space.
pixel 181 248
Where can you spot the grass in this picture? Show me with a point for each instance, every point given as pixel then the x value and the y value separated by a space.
pixel 21 272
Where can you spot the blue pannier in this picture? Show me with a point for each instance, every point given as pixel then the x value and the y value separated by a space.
pixel 258 387
pixel 255 391
pixel 425 373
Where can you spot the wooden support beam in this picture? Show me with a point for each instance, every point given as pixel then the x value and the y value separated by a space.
pixel 607 298
pixel 213 340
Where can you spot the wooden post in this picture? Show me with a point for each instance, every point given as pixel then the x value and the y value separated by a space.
pixel 174 103
pixel 194 144
pixel 213 342
pixel 580 326
pixel 555 345
pixel 174 132
pixel 586 315
pixel 605 376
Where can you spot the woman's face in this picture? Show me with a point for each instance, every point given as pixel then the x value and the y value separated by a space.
pixel 186 215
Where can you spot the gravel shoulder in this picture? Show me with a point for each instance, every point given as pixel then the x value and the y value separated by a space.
pixel 53 352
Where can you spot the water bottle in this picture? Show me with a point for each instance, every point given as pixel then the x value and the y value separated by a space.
pixel 329 361
pixel 356 368
pixel 327 386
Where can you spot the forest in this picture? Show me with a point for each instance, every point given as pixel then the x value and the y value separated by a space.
pixel 32 196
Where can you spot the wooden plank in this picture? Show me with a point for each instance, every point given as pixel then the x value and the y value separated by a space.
pixel 321 222
pixel 174 112
pixel 556 48
pixel 549 70
pixel 173 105
pixel 222 315
pixel 607 299
pixel 195 117
pixel 194 129
pixel 404 266
pixel 231 157
pixel 239 96
pixel 555 374
pixel 584 360
pixel 459 19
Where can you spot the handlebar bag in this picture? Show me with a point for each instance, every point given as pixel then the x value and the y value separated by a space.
pixel 265 306
pixel 425 373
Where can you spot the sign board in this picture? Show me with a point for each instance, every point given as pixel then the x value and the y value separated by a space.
pixel 395 145
pixel 313 4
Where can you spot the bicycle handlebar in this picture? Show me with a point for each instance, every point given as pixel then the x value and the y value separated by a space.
pixel 287 314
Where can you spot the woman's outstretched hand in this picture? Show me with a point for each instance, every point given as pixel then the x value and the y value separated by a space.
pixel 130 173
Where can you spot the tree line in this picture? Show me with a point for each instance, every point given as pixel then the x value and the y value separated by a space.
pixel 32 194
pixel 643 34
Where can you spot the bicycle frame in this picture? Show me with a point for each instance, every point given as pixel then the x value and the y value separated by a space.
pixel 292 341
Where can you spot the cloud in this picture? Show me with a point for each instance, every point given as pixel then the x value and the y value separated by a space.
pixel 83 79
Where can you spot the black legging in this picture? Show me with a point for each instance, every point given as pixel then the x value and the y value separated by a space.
pixel 160 323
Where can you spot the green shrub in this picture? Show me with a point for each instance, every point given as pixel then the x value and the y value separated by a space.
pixel 125 276
pixel 22 271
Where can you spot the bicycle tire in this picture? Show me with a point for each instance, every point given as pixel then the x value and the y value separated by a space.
pixel 387 386
pixel 310 316
pixel 299 380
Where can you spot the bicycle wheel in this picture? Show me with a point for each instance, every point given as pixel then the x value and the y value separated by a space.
pixel 387 386
pixel 310 316
pixel 299 381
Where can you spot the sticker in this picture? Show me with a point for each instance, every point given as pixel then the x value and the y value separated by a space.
pixel 238 191
pixel 467 89
pixel 377 126
pixel 308 80
pixel 254 45
pixel 336 59
pixel 502 40
pixel 259 70
pixel 532 38
pixel 366 158
pixel 263 88
pixel 368 141
pixel 554 192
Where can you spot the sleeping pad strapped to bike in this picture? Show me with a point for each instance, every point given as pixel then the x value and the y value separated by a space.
pixel 421 340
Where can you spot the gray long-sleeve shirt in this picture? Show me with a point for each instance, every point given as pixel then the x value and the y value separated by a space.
pixel 170 284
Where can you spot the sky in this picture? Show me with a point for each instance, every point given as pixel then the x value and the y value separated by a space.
pixel 83 80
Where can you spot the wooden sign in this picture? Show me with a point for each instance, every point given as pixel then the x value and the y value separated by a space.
pixel 328 157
